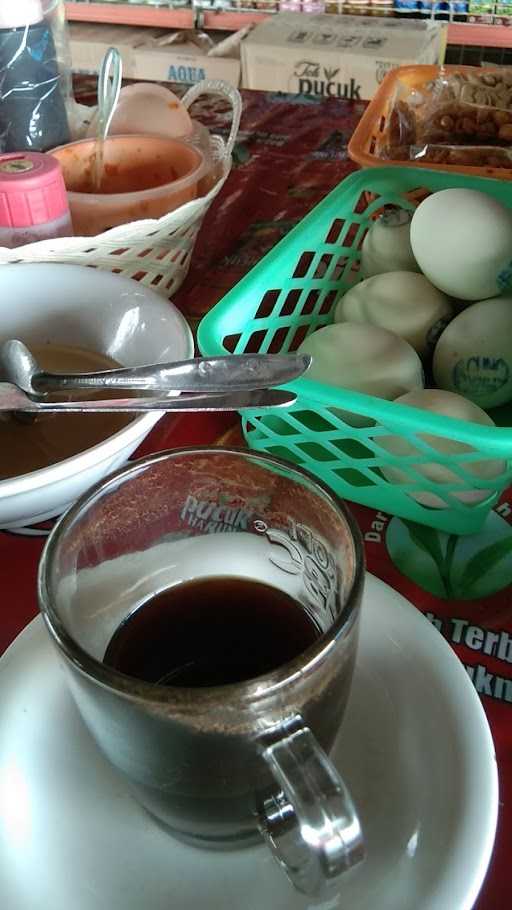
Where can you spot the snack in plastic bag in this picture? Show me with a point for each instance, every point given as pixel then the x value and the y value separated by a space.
pixel 35 81
pixel 462 155
pixel 459 119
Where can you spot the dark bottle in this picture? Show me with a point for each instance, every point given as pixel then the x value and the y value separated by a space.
pixel 32 109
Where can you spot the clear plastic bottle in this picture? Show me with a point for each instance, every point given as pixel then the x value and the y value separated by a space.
pixel 33 112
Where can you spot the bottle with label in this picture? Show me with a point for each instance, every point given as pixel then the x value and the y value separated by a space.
pixel 438 9
pixel 459 9
pixel 409 7
pixel 33 199
pixel 32 108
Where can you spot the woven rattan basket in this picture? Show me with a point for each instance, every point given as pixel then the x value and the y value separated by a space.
pixel 156 252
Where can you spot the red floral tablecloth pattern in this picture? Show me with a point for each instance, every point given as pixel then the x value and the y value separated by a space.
pixel 290 152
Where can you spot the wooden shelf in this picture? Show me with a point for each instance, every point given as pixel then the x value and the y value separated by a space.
pixel 131 14
pixel 464 33
pixel 230 22
pixel 479 35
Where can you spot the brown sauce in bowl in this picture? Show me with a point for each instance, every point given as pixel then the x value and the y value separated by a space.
pixel 27 445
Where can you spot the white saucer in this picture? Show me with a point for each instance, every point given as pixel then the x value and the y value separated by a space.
pixel 415 749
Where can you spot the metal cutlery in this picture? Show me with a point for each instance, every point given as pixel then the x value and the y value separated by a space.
pixel 15 400
pixel 205 375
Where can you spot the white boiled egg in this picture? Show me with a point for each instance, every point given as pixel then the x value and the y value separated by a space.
pixel 450 405
pixel 462 242
pixel 474 354
pixel 387 245
pixel 363 358
pixel 402 302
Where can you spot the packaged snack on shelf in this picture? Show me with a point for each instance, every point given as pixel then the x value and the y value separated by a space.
pixel 36 101
pixel 481 11
pixel 502 14
pixel 268 6
pixel 313 6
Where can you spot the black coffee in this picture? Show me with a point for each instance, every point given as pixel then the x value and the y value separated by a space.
pixel 211 632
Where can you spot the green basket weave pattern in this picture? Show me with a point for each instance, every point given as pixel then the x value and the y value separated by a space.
pixel 292 292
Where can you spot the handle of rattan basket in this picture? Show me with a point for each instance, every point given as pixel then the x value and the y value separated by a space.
pixel 225 90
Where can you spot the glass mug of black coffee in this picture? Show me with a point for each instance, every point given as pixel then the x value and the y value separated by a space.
pixel 205 604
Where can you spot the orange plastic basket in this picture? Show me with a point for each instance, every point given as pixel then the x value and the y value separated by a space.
pixel 367 138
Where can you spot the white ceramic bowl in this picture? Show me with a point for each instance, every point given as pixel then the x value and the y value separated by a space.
pixel 71 304
pixel 147 108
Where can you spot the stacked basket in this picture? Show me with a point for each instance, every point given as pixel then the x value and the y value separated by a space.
pixel 155 252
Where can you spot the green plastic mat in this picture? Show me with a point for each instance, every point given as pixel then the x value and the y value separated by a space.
pixel 292 292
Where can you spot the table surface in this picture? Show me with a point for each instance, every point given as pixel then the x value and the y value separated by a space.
pixel 291 151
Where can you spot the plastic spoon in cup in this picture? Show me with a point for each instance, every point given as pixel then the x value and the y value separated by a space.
pixel 204 375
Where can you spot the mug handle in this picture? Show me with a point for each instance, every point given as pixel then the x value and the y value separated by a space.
pixel 311 826
pixel 225 90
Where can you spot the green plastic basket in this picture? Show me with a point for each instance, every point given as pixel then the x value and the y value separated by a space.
pixel 292 292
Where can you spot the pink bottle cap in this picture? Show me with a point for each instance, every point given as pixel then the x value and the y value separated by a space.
pixel 20 13
pixel 32 189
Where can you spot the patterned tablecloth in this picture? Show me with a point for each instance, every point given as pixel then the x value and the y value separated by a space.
pixel 291 152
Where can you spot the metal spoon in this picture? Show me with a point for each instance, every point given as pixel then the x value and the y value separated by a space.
pixel 109 85
pixel 17 402
pixel 235 373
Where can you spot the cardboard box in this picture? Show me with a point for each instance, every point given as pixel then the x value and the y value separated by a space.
pixel 155 54
pixel 338 57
